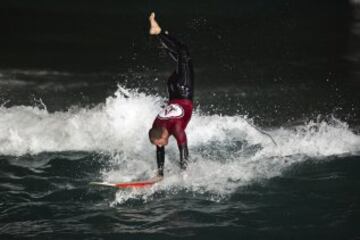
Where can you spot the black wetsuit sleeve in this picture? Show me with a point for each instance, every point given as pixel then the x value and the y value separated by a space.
pixel 184 156
pixel 160 157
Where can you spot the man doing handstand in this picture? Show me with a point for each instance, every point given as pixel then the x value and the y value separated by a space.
pixel 173 119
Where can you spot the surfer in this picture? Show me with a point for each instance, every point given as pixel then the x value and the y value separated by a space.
pixel 173 119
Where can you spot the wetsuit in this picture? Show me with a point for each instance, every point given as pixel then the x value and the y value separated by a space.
pixel 176 115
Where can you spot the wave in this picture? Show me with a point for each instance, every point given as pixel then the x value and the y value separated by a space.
pixel 226 151
pixel 37 73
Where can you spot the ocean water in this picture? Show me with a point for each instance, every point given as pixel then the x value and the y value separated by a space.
pixel 238 183
pixel 77 99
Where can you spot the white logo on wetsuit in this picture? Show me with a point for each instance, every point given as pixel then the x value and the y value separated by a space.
pixel 171 111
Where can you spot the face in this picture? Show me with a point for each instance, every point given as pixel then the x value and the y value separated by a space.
pixel 162 141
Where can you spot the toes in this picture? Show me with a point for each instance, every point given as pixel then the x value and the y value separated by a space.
pixel 152 16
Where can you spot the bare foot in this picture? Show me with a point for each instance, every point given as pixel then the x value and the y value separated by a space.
pixel 154 26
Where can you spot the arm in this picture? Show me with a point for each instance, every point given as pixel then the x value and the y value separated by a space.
pixel 181 139
pixel 160 157
pixel 184 156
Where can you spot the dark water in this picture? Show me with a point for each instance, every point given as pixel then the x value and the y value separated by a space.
pixel 308 200
pixel 290 68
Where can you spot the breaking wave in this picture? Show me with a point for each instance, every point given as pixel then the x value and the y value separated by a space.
pixel 226 151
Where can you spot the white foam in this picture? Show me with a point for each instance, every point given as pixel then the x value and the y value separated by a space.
pixel 118 124
pixel 227 151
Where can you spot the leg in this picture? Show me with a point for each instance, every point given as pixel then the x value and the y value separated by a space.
pixel 181 83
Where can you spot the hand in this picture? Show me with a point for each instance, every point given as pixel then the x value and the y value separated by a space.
pixel 157 178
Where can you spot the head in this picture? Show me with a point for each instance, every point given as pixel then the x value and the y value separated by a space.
pixel 159 136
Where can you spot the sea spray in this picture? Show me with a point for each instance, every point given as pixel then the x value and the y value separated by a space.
pixel 226 151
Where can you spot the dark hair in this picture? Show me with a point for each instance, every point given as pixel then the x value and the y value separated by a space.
pixel 155 132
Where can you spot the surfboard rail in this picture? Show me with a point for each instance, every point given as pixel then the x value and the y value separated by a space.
pixel 132 184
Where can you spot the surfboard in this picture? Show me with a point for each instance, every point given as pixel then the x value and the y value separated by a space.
pixel 135 184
